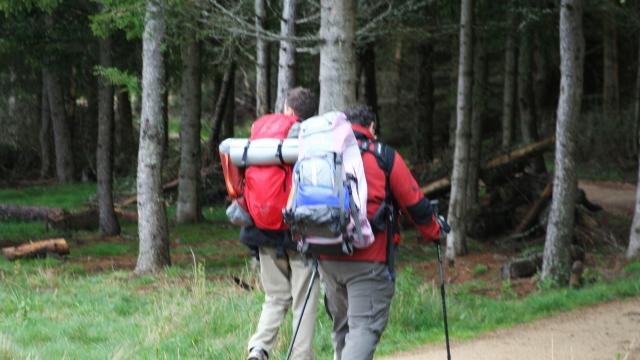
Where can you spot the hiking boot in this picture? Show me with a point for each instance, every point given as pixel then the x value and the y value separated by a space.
pixel 257 353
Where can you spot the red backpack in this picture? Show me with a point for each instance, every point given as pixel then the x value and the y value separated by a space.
pixel 266 187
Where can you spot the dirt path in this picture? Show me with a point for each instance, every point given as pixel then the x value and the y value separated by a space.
pixel 601 332
pixel 614 197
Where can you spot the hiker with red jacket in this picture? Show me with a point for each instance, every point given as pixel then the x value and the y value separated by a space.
pixel 284 273
pixel 359 288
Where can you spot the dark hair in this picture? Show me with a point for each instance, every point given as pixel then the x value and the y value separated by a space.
pixel 361 115
pixel 303 102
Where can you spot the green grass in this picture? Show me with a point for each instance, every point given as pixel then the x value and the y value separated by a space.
pixel 59 309
pixel 51 309
pixel 67 196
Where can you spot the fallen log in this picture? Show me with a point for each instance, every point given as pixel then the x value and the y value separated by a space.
pixel 29 213
pixel 84 220
pixel 489 169
pixel 126 215
pixel 167 187
pixel 535 209
pixel 38 248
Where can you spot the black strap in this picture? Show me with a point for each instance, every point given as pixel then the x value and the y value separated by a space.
pixel 385 157
pixel 244 154
pixel 279 152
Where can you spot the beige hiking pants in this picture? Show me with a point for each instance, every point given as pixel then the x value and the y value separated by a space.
pixel 285 281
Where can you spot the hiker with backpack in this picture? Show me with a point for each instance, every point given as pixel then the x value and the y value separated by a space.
pixel 284 272
pixel 359 287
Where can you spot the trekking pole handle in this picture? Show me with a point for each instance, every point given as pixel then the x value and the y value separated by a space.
pixel 444 226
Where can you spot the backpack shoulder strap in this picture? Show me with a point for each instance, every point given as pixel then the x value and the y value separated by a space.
pixel 384 154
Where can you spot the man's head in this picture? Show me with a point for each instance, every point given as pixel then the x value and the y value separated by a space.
pixel 301 102
pixel 363 116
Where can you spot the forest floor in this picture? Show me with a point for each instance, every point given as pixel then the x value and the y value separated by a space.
pixel 205 305
pixel 604 331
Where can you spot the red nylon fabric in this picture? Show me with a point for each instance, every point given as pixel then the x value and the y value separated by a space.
pixel 404 189
pixel 267 187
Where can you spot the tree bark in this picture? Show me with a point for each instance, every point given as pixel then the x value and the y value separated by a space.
pixel 633 251
pixel 45 135
pixel 165 112
pixel 221 104
pixel 29 213
pixel 456 240
pixel 337 55
pixel 230 110
pixel 423 138
pixel 556 264
pixel 188 207
pixel 369 86
pixel 540 75
pixel 509 87
pixel 125 144
pixel 61 131
pixel 109 225
pixel 38 248
pixel 286 60
pixel 636 114
pixel 610 91
pixel 152 224
pixel 526 101
pixel 453 83
pixel 479 110
pixel 262 62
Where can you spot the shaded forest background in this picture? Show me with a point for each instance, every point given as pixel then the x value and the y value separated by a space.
pixel 56 76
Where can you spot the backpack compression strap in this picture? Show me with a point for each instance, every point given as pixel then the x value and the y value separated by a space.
pixel 385 157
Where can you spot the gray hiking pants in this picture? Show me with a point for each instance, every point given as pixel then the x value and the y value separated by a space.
pixel 285 281
pixel 358 297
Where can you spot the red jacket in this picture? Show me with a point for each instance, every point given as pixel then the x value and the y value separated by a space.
pixel 406 193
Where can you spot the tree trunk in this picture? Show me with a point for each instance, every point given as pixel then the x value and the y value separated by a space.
pixel 109 225
pixel 165 113
pixel 337 55
pixel 423 138
pixel 152 224
pixel 369 85
pixel 45 134
pixel 526 101
pixel 479 110
pixel 636 114
pixel 230 110
pixel 456 240
pixel 453 83
pixel 61 131
pixel 125 144
pixel 610 91
pixel 188 207
pixel 286 60
pixel 509 88
pixel 221 104
pixel 540 75
pixel 556 264
pixel 633 251
pixel 262 62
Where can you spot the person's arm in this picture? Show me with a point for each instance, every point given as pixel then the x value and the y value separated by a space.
pixel 411 200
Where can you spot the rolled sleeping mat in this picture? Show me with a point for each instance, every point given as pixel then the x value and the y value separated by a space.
pixel 260 151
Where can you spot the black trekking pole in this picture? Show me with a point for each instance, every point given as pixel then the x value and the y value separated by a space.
pixel 444 230
pixel 314 274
